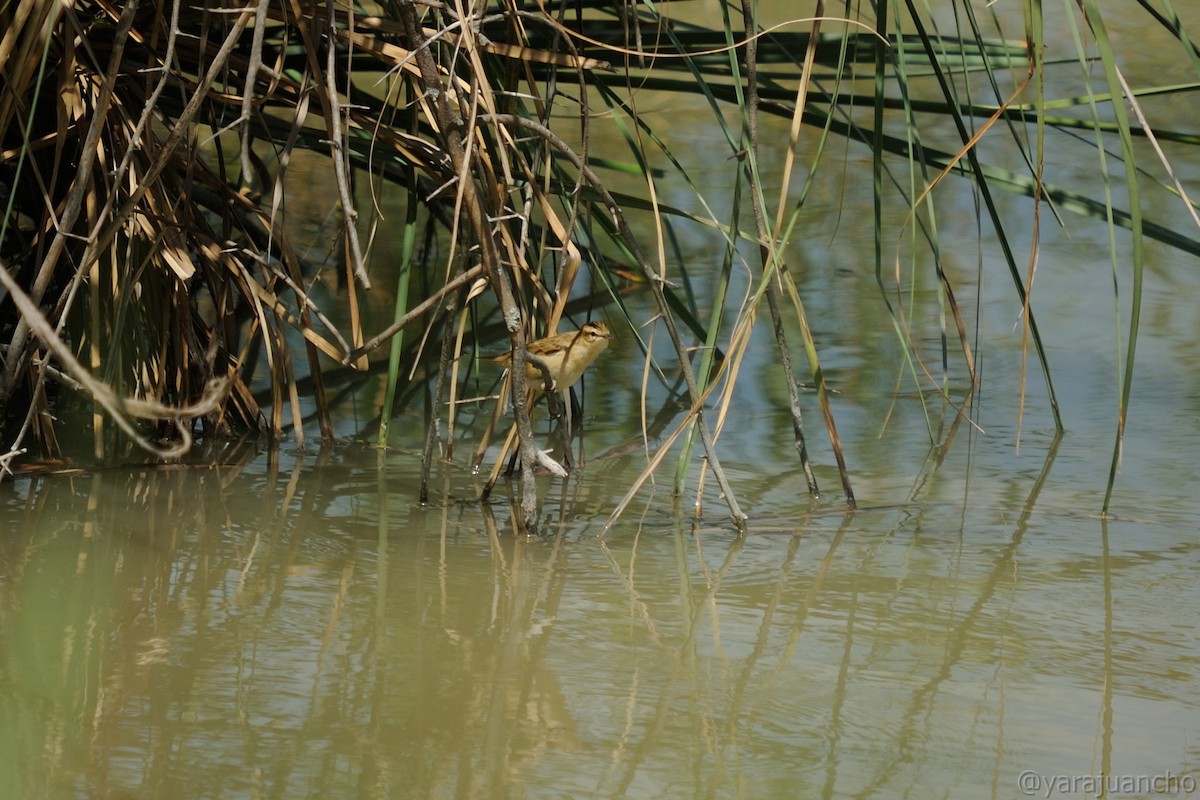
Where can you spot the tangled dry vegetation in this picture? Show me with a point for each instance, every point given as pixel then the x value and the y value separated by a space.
pixel 146 267
pixel 146 145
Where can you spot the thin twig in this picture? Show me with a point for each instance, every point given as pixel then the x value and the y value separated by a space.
pixel 120 409
pixel 449 126
pixel 333 115
pixel 455 283
pixel 655 281
pixel 18 344
pixel 439 384
pixel 252 70
pixel 764 251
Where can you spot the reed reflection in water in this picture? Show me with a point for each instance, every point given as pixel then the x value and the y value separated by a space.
pixel 308 629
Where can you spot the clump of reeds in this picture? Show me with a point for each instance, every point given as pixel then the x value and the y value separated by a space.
pixel 147 261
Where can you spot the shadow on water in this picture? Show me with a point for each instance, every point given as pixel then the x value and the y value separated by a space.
pixel 301 626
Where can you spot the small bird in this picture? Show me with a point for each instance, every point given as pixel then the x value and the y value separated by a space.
pixel 565 354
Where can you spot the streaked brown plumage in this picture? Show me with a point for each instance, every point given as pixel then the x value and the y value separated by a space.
pixel 565 354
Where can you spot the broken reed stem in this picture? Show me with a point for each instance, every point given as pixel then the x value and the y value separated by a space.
pixel 122 410
pixel 18 346
pixel 439 384
pixel 415 313
pixel 655 282
pixel 449 125
pixel 552 401
pixel 337 154
pixel 764 251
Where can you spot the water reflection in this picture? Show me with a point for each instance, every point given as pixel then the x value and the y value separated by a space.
pixel 304 628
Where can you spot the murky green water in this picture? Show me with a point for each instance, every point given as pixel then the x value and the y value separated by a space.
pixel 304 628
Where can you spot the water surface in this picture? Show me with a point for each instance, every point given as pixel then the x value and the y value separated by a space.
pixel 293 623
pixel 301 626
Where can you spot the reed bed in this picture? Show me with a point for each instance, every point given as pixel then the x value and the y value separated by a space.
pixel 149 267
